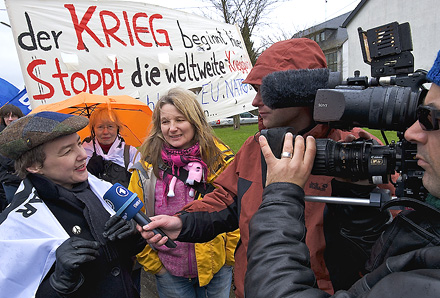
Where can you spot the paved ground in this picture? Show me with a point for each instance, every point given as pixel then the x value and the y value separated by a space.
pixel 148 286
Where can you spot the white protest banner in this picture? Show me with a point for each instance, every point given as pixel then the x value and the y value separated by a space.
pixel 127 47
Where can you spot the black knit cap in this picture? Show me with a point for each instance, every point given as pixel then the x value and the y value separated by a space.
pixel 434 72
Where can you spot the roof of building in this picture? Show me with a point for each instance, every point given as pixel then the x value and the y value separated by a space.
pixel 353 13
pixel 334 24
pixel 335 38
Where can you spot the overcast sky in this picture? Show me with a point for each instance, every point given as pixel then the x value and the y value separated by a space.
pixel 291 16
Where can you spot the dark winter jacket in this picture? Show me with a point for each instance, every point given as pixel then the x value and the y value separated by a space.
pixel 78 210
pixel 7 170
pixel 279 262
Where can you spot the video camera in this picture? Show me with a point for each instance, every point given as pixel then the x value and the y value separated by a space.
pixel 387 102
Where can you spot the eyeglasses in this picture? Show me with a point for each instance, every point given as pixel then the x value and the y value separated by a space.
pixel 110 127
pixel 428 117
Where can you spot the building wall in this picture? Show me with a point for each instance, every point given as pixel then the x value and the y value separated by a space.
pixel 424 20
pixel 344 70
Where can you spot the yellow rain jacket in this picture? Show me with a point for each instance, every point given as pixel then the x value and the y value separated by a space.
pixel 211 256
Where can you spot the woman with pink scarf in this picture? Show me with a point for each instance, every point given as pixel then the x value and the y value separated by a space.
pixel 180 159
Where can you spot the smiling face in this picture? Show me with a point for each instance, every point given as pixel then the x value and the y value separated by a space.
pixel 428 144
pixel 65 162
pixel 176 129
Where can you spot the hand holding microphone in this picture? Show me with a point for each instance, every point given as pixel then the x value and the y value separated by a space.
pixel 172 225
pixel 128 206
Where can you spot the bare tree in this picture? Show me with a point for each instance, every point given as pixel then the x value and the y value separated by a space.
pixel 279 34
pixel 249 15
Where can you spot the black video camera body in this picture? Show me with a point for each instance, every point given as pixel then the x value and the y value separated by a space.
pixel 388 101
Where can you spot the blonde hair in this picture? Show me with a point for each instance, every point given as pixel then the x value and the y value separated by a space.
pixel 104 114
pixel 185 101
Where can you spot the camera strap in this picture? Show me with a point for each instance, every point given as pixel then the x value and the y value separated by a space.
pixel 263 170
pixel 413 204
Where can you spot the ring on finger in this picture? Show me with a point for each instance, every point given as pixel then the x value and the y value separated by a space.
pixel 286 154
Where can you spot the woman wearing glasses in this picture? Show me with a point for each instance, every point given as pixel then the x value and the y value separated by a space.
pixel 108 157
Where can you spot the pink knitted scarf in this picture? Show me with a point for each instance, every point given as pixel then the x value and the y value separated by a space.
pixel 178 158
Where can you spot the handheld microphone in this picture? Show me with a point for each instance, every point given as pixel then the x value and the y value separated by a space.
pixel 128 206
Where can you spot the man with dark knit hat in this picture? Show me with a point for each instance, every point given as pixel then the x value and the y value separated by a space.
pixel 58 238
pixel 286 77
pixel 405 260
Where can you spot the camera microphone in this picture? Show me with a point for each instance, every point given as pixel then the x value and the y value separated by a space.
pixel 128 206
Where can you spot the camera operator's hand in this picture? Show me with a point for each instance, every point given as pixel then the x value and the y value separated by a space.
pixel 363 136
pixel 296 169
pixel 70 255
pixel 410 263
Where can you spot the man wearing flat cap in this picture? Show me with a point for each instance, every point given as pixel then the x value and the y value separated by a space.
pixel 286 77
pixel 58 238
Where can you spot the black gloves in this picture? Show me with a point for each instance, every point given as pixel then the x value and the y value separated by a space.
pixel 118 228
pixel 95 165
pixel 70 255
pixel 424 258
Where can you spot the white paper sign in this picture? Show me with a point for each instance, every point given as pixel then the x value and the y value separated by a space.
pixel 132 48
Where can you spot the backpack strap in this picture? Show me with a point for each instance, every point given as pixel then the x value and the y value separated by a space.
pixel 126 156
pixel 147 182
pixel 138 166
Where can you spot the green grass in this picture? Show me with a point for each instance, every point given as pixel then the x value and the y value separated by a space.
pixel 391 135
pixel 235 138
